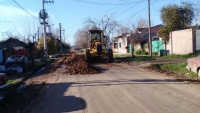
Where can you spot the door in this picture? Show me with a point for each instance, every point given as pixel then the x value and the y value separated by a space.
pixel 120 45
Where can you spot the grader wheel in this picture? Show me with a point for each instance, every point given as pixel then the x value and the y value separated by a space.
pixel 87 55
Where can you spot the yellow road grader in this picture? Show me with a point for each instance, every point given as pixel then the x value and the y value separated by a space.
pixel 98 46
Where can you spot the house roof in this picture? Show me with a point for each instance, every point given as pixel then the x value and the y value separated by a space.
pixel 142 34
pixel 154 29
pixel 12 42
pixel 122 35
pixel 138 37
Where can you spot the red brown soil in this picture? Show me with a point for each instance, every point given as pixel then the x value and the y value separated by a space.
pixel 77 65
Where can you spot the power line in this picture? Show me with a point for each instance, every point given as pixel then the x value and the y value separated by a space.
pixel 98 3
pixel 25 9
pixel 130 7
pixel 141 10
pixel 124 3
pixel 12 3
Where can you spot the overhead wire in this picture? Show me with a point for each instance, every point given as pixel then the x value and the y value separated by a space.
pixel 124 3
pixel 55 12
pixel 130 7
pixel 12 3
pixel 98 3
pixel 24 9
pixel 139 11
pixel 71 27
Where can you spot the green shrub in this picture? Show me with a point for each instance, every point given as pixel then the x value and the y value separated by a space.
pixel 141 52
pixel 12 82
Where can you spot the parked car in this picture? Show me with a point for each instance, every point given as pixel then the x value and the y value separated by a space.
pixel 193 64
pixel 18 61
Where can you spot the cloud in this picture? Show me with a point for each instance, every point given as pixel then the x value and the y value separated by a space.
pixel 9 11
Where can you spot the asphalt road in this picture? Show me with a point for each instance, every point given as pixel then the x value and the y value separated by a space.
pixel 125 89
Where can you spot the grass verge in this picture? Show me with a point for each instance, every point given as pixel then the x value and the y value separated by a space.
pixel 128 57
pixel 177 68
pixel 190 55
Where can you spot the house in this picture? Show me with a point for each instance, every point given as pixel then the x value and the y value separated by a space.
pixel 122 43
pixel 154 31
pixel 140 37
pixel 12 46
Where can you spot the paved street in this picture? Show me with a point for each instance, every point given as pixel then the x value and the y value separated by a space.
pixel 124 89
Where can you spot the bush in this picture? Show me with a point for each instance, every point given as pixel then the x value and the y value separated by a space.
pixel 141 52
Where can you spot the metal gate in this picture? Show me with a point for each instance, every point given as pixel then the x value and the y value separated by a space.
pixel 157 46
pixel 197 41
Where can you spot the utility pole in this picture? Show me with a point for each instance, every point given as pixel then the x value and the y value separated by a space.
pixel 49 26
pixel 63 34
pixel 38 32
pixel 150 40
pixel 45 38
pixel 60 26
pixel 43 15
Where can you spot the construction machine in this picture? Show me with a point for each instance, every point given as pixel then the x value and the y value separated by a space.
pixel 98 46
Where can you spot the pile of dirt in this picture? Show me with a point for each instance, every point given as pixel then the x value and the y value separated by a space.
pixel 76 64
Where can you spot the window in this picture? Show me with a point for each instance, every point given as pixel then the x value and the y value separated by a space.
pixel 96 36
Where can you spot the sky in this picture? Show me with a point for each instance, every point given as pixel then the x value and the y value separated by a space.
pixel 18 17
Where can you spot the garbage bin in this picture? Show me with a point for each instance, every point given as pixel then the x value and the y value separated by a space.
pixel 3 78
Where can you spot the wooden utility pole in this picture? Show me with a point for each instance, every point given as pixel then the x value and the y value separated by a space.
pixel 150 40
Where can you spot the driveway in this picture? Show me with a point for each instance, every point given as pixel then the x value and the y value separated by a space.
pixel 120 88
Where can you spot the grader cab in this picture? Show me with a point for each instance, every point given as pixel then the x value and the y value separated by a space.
pixel 98 47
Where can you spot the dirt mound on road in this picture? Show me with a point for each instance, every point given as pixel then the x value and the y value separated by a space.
pixel 77 65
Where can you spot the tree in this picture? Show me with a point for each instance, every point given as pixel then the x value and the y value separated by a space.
pixel 176 17
pixel 51 44
pixel 164 34
pixel 107 23
pixel 132 26
pixel 66 47
pixel 81 37
pixel 30 28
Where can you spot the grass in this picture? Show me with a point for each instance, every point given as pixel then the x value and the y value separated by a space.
pixel 129 57
pixel 190 55
pixel 12 82
pixel 125 57
pixel 178 68
pixel 46 60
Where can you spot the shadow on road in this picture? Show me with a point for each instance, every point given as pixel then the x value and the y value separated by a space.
pixel 46 98
pixel 126 81
pixel 55 100
pixel 74 104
